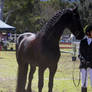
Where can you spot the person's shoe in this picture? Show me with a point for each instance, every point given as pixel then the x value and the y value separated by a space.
pixel 83 89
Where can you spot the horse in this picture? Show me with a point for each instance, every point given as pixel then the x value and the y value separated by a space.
pixel 41 49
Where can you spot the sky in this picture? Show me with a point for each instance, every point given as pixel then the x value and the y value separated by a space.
pixel 65 0
pixel 43 0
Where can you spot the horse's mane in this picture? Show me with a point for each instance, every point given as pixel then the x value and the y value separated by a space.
pixel 53 20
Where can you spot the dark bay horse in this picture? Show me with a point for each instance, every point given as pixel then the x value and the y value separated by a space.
pixel 42 49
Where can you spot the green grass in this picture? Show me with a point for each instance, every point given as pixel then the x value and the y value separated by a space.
pixel 63 78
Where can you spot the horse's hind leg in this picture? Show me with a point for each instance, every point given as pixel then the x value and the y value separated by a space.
pixel 22 76
pixel 52 69
pixel 41 79
pixel 32 70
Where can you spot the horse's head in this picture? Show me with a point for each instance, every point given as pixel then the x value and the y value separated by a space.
pixel 75 24
pixel 68 18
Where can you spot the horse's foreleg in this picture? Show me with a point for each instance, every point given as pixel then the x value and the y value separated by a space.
pixel 41 79
pixel 51 76
pixel 32 70
pixel 21 78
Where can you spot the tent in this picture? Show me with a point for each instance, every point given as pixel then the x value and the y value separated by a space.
pixel 4 26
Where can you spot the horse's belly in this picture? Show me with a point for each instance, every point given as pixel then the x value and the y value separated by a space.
pixel 41 60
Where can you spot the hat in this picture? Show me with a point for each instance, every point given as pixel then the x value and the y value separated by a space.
pixel 87 28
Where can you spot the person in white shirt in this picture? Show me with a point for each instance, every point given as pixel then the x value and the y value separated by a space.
pixel 85 56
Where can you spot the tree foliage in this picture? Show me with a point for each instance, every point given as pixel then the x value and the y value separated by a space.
pixel 31 15
pixel 85 11
pixel 21 14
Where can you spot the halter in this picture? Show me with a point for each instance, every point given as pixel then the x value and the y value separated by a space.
pixel 77 34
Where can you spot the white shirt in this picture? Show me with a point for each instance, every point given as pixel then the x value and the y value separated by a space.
pixel 89 40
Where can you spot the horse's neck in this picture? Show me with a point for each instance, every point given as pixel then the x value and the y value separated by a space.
pixel 55 34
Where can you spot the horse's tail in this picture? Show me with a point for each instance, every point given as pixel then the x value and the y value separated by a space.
pixel 19 41
pixel 21 37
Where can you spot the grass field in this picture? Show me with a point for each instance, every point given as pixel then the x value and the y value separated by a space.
pixel 63 79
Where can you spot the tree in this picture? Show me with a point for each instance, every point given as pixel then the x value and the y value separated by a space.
pixel 31 15
pixel 21 14
pixel 85 11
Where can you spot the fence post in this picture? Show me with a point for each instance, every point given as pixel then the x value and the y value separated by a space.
pixel 74 52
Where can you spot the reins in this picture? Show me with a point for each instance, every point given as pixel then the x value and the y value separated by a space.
pixel 73 77
pixel 76 85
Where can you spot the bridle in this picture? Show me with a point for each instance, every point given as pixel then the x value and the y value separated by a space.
pixel 77 34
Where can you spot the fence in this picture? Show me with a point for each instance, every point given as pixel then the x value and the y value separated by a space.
pixel 71 48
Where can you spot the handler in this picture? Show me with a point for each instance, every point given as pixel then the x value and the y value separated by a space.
pixel 85 56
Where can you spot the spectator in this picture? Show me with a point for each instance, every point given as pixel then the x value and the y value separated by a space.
pixel 85 57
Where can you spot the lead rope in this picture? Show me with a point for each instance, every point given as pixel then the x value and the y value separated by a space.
pixel 73 77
